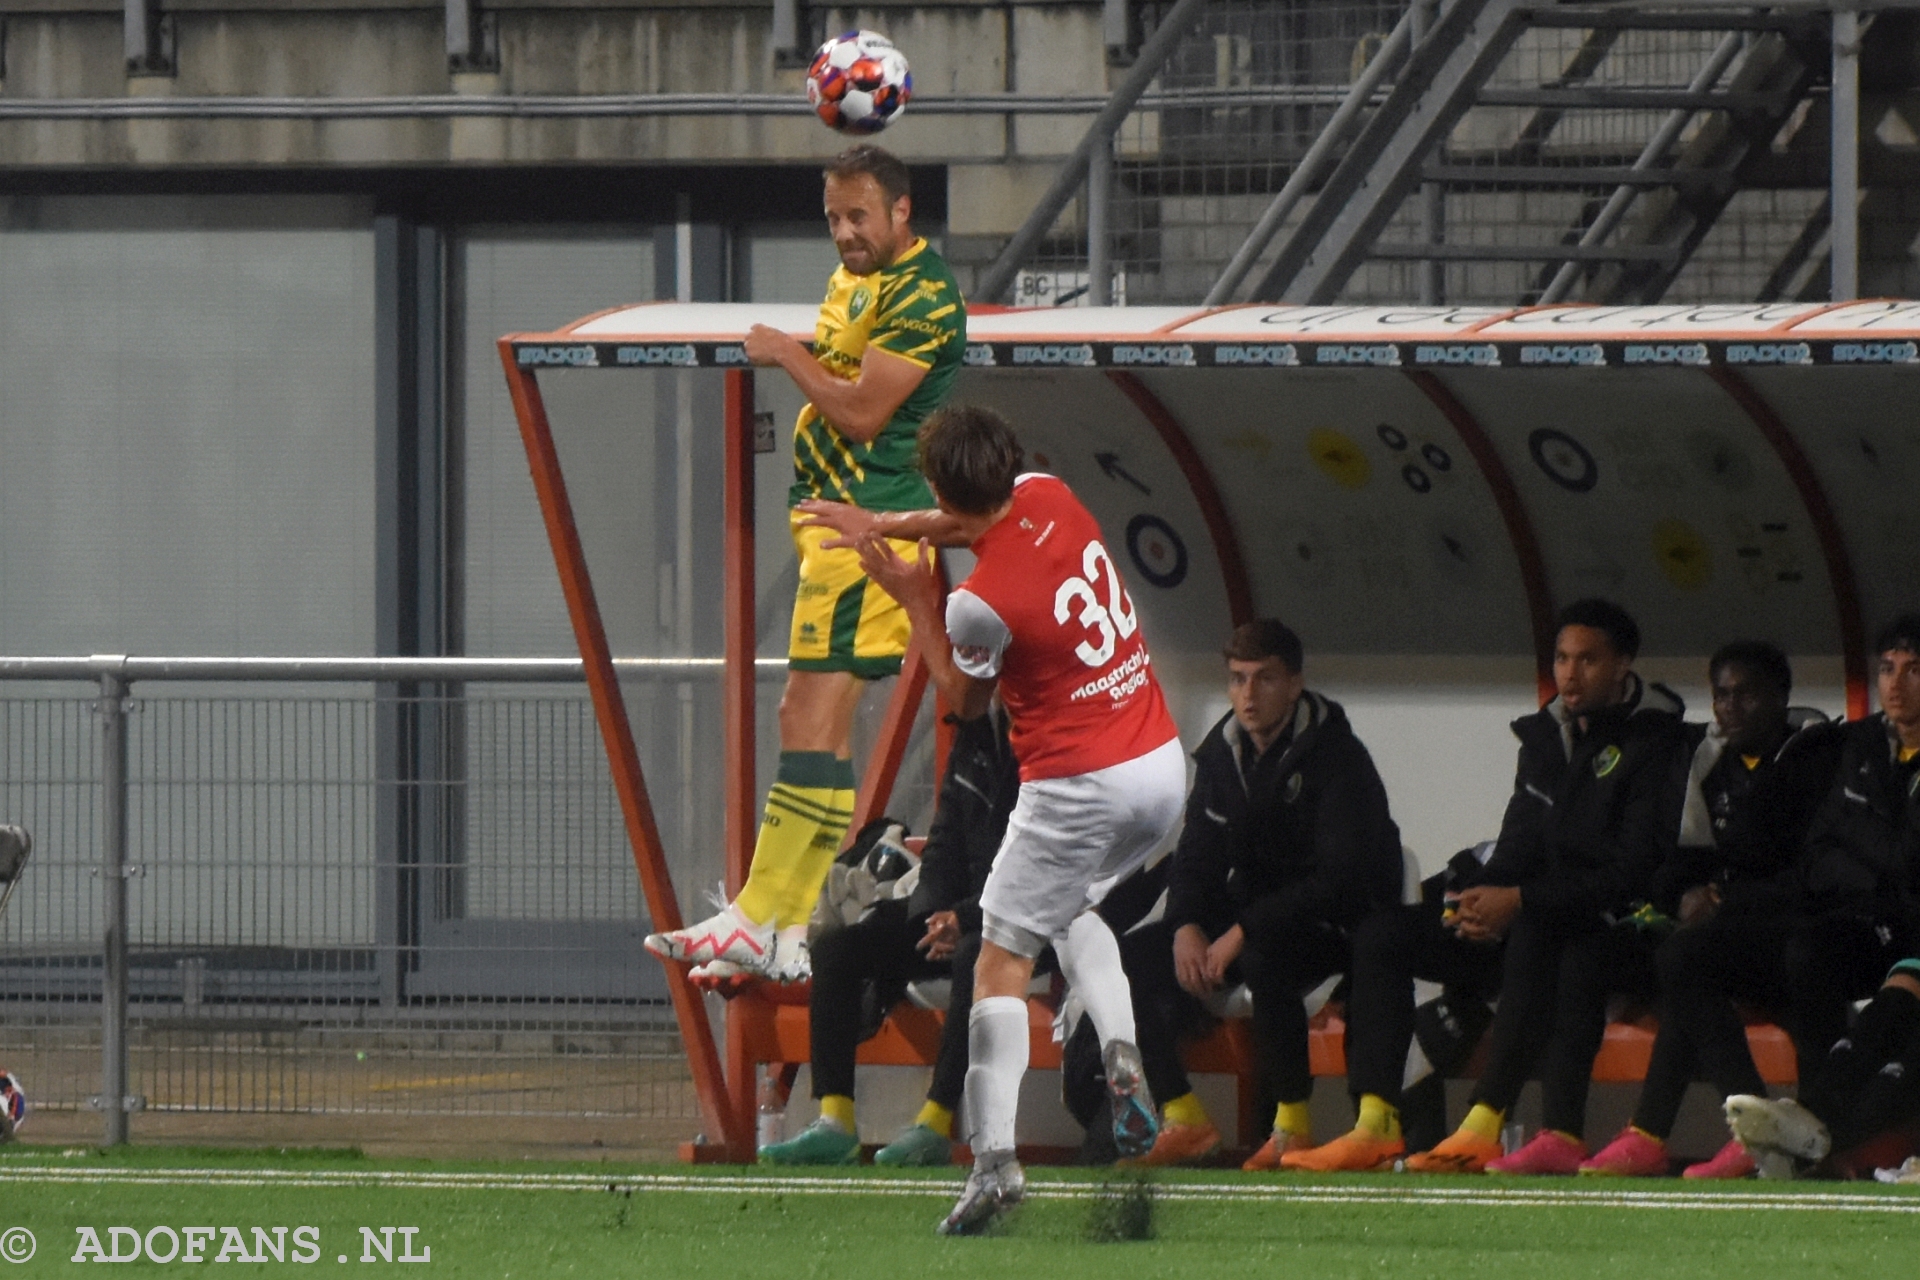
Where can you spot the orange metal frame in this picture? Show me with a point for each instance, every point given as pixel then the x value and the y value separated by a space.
pixel 722 1109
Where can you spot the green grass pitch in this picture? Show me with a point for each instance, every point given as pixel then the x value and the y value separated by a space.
pixel 506 1220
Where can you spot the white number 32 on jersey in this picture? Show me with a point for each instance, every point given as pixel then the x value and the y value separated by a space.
pixel 1111 622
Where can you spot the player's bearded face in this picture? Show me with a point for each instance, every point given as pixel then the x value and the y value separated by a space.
pixel 868 229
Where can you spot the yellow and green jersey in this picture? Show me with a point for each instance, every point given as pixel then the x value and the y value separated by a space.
pixel 911 309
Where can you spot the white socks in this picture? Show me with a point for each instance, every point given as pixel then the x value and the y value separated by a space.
pixel 1090 959
pixel 996 1059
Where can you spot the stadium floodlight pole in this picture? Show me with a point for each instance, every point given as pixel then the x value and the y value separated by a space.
pixel 1649 158
pixel 1845 144
pixel 1154 52
pixel 1314 163
pixel 1100 226
pixel 113 1099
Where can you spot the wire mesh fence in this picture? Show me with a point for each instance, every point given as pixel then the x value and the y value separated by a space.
pixel 350 903
pixel 1255 82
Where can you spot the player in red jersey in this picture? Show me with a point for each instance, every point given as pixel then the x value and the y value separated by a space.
pixel 1044 617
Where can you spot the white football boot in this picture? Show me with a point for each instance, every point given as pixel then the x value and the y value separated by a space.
pixel 792 961
pixel 1776 1132
pixel 995 1186
pixel 727 936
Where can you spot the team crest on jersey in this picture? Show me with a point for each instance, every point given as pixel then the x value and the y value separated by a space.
pixel 857 305
pixel 1607 761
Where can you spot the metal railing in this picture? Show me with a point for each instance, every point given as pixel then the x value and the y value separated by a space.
pixel 413 896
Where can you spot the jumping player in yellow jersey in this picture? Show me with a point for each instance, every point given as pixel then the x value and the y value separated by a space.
pixel 887 347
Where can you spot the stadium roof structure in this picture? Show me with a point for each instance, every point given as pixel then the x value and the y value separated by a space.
pixel 1411 479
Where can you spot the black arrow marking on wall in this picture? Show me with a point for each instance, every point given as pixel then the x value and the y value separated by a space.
pixel 1110 463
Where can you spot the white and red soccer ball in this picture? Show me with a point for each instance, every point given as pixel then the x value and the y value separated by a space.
pixel 859 83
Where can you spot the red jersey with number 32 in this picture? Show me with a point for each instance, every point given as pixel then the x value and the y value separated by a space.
pixel 1044 610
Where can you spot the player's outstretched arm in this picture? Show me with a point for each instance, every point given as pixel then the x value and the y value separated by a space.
pixel 858 408
pixel 916 585
pixel 853 523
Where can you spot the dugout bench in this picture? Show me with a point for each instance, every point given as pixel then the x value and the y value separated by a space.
pixel 776 1036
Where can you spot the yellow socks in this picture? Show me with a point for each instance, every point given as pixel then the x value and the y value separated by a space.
pixel 808 809
pixel 1186 1109
pixel 935 1117
pixel 838 1108
pixel 1295 1118
pixel 1483 1122
pixel 1378 1117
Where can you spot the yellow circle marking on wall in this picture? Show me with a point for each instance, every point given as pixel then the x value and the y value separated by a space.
pixel 1338 456
pixel 1683 554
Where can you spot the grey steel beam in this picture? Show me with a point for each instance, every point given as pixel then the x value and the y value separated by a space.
pixel 1116 30
pixel 1433 196
pixel 113 1100
pixel 148 38
pixel 1652 157
pixel 471 41
pixel 1373 178
pixel 299 670
pixel 1314 163
pixel 1844 198
pixel 1154 52
pixel 789 44
pixel 1100 226
pixel 1628 19
pixel 1534 176
pixel 1525 252
pixel 620 105
pixel 1630 99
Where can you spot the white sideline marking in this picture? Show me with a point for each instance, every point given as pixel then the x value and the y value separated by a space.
pixel 1396 1193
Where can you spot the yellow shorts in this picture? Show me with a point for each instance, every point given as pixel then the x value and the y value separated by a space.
pixel 841 621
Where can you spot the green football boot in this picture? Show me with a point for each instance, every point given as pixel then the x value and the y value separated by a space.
pixel 822 1142
pixel 916 1147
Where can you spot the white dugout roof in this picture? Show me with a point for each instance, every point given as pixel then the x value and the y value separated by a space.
pixel 1436 480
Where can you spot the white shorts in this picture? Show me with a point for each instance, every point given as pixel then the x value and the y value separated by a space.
pixel 1070 839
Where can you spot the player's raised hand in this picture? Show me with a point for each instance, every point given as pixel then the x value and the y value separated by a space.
pixel 765 344
pixel 914 583
pixel 850 522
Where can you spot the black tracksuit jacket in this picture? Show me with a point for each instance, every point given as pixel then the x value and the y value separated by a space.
pixel 1306 836
pixel 1757 820
pixel 1863 848
pixel 1594 813
pixel 976 797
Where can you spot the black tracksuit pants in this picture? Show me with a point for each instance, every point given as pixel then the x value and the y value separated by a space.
pixel 1807 970
pixel 1554 991
pixel 1284 957
pixel 1869 1081
pixel 1391 948
pixel 882 947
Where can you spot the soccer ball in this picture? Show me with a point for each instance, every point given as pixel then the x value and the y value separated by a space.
pixel 859 83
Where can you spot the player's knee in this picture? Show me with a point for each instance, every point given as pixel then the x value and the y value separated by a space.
pixel 1000 972
pixel 1384 939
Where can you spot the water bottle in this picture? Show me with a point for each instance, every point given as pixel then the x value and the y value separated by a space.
pixel 771 1119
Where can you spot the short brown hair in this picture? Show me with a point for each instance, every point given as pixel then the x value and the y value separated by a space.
pixel 970 455
pixel 877 163
pixel 1265 638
